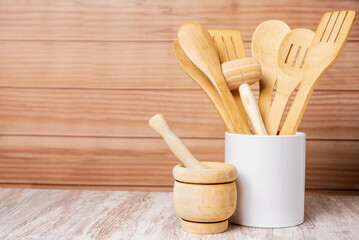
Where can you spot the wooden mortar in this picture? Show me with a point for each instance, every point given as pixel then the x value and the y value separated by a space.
pixel 205 198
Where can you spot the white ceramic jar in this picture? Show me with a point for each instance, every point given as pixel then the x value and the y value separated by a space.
pixel 270 181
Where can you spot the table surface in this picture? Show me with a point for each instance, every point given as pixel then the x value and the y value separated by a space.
pixel 86 214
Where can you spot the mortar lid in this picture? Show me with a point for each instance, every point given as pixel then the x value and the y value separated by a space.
pixel 215 172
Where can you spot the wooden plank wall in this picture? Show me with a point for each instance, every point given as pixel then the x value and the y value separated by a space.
pixel 79 80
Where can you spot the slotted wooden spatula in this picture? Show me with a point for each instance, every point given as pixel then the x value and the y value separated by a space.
pixel 327 44
pixel 229 45
pixel 291 57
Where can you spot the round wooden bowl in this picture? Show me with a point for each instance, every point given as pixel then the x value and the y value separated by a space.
pixel 205 198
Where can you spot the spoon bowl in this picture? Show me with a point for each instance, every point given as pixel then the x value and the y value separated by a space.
pixel 265 44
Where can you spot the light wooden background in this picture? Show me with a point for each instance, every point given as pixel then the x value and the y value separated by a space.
pixel 80 79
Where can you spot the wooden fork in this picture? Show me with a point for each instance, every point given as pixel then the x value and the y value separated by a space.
pixel 229 45
pixel 327 44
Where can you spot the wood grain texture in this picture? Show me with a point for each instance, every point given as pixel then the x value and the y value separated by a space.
pixel 124 65
pixel 48 214
pixel 152 20
pixel 125 113
pixel 157 188
pixel 148 161
pixel 79 80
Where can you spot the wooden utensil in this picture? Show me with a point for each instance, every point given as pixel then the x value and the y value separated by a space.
pixel 291 57
pixel 327 44
pixel 204 83
pixel 230 46
pixel 159 124
pixel 240 73
pixel 197 43
pixel 265 44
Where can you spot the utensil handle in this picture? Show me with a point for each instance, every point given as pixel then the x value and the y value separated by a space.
pixel 266 91
pixel 232 109
pixel 251 107
pixel 296 111
pixel 159 124
pixel 276 112
pixel 240 106
pixel 222 111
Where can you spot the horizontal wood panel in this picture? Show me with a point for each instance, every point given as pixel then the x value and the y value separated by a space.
pixel 157 19
pixel 83 64
pixel 107 187
pixel 352 192
pixel 80 79
pixel 148 161
pixel 125 113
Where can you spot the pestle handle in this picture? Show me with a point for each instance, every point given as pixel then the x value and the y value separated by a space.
pixel 159 124
pixel 251 107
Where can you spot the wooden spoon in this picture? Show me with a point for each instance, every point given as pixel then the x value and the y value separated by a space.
pixel 291 57
pixel 265 44
pixel 328 42
pixel 159 124
pixel 198 45
pixel 204 83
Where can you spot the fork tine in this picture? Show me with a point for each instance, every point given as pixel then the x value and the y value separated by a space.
pixel 225 42
pixel 231 51
pixel 324 21
pixel 239 48
pixel 345 28
pixel 220 47
pixel 330 26
pixel 338 24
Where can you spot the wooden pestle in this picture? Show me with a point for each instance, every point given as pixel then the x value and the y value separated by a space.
pixel 241 73
pixel 159 124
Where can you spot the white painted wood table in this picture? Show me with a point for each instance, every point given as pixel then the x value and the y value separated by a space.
pixel 77 214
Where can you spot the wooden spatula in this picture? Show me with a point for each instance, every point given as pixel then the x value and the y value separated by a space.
pixel 265 44
pixel 291 57
pixel 327 44
pixel 230 46
pixel 204 83
pixel 198 45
